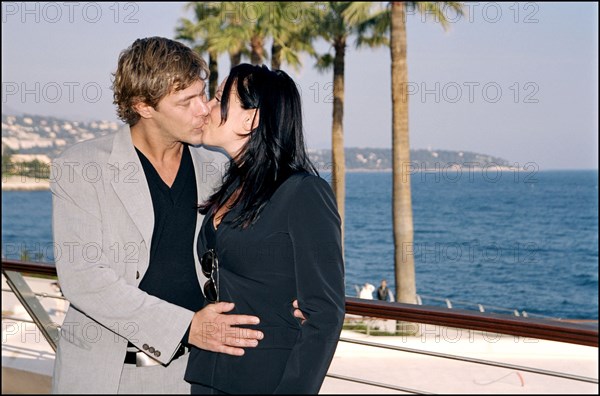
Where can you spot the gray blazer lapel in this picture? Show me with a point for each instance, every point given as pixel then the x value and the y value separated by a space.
pixel 129 182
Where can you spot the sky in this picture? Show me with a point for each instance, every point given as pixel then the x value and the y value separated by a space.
pixel 513 80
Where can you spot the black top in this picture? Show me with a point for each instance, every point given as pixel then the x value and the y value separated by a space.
pixel 292 251
pixel 382 294
pixel 171 275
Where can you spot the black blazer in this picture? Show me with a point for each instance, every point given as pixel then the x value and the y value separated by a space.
pixel 292 251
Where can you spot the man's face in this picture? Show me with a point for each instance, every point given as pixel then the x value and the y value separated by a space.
pixel 181 115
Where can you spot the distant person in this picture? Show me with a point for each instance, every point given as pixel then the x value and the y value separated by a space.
pixel 271 232
pixel 383 293
pixel 366 291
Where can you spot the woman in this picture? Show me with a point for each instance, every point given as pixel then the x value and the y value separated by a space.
pixel 271 233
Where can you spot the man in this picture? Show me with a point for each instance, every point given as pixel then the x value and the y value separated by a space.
pixel 125 225
pixel 383 293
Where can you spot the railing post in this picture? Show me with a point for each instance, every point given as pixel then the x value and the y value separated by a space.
pixel 33 307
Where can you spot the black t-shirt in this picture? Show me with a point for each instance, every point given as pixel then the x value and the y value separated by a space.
pixel 171 275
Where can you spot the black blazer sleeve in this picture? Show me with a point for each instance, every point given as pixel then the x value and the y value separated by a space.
pixel 315 230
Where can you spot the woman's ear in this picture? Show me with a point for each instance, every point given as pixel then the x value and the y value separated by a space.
pixel 251 118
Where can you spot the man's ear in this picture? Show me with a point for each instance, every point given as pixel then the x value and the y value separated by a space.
pixel 143 109
pixel 251 119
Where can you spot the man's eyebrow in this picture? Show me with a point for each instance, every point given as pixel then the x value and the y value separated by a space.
pixel 191 96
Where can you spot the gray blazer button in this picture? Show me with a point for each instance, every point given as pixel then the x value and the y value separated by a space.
pixel 145 346
pixel 157 353
pixel 137 274
pixel 151 349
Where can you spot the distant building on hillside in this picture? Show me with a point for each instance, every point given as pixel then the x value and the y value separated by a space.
pixel 20 158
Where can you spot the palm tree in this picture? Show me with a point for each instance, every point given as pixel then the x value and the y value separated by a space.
pixel 258 21
pixel 402 219
pixel 291 32
pixel 199 34
pixel 252 20
pixel 401 200
pixel 218 29
pixel 242 28
pixel 335 22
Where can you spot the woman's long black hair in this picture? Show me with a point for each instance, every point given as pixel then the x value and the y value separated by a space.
pixel 275 149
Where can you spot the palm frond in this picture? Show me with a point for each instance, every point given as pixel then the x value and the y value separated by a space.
pixel 439 9
pixel 324 63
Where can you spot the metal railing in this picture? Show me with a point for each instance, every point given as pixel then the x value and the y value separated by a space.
pixel 544 329
pixel 468 305
pixel 477 306
pixel 13 271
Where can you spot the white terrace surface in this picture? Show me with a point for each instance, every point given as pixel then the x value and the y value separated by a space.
pixel 27 359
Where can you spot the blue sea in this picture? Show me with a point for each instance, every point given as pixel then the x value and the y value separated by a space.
pixel 505 240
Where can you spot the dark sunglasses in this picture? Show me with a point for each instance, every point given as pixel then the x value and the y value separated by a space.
pixel 210 267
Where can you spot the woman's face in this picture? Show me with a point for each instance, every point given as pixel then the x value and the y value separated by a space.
pixel 235 132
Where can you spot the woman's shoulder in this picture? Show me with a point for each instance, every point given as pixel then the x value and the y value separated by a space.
pixel 304 192
pixel 301 183
pixel 310 198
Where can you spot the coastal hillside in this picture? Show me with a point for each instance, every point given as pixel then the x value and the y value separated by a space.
pixel 381 159
pixel 33 134
pixel 41 135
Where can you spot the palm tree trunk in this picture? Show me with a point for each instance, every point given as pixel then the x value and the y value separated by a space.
pixel 275 56
pixel 257 54
pixel 213 79
pixel 235 59
pixel 337 132
pixel 401 204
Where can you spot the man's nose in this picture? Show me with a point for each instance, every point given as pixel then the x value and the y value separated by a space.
pixel 202 108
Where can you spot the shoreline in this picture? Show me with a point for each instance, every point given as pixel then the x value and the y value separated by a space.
pixel 24 183
pixel 445 169
pixel 27 183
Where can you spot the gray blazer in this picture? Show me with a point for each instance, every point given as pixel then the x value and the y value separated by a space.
pixel 102 222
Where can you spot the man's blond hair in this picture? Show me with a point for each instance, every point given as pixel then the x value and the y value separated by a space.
pixel 150 69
